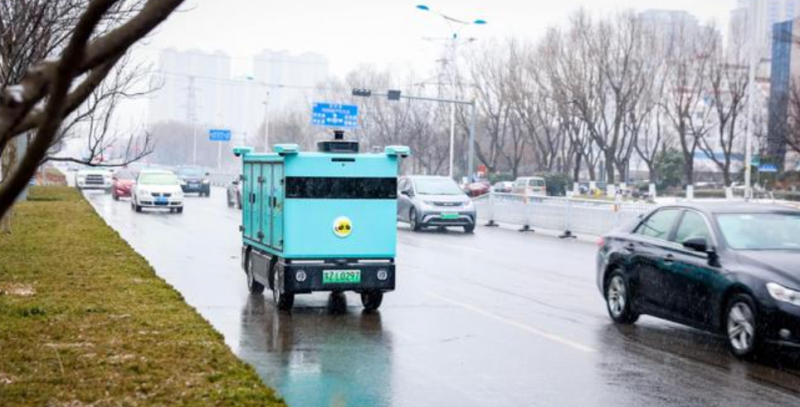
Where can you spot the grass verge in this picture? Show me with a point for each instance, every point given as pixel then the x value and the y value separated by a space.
pixel 84 320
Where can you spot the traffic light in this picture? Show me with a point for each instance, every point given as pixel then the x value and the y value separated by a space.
pixel 362 92
pixel 394 95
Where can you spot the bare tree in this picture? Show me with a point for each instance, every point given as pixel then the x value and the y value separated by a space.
pixel 48 92
pixel 687 66
pixel 728 86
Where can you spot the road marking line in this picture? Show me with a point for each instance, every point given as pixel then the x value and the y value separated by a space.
pixel 453 246
pixel 516 324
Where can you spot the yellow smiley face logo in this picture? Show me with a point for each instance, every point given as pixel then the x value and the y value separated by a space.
pixel 342 227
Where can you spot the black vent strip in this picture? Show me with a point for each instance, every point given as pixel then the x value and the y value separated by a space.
pixel 343 160
pixel 341 188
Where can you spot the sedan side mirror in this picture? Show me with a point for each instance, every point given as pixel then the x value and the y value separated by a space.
pixel 208 174
pixel 698 244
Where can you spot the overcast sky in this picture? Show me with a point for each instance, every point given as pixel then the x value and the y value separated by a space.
pixel 386 33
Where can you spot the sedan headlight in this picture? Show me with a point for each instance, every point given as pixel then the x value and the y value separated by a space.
pixel 783 294
pixel 469 204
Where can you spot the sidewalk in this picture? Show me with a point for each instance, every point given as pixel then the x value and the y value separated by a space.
pixel 84 320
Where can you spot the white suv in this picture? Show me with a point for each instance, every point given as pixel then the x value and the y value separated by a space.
pixel 157 189
pixel 93 179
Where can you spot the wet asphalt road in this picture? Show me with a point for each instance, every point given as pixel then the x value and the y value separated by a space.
pixel 497 318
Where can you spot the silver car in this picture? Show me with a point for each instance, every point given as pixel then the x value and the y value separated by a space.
pixel 434 202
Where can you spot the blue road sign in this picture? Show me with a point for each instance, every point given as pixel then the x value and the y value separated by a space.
pixel 219 135
pixel 334 115
pixel 768 168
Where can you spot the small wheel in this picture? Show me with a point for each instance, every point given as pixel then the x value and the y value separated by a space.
pixel 618 300
pixel 371 300
pixel 282 300
pixel 469 229
pixel 230 202
pixel 115 196
pixel 254 286
pixel 741 327
pixel 412 220
pixel 179 210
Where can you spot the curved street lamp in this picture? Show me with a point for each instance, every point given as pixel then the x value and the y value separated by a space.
pixel 451 21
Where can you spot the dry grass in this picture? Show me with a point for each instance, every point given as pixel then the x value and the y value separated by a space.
pixel 84 320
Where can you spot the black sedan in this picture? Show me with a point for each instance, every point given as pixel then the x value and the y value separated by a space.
pixel 195 180
pixel 732 269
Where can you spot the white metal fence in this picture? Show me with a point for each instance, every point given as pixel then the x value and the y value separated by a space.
pixel 571 216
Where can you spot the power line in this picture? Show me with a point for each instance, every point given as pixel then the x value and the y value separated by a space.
pixel 238 82
pixel 288 61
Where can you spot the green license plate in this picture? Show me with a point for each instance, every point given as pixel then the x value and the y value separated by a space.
pixel 449 216
pixel 341 276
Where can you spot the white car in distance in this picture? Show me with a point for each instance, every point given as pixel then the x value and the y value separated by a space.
pixel 157 189
pixel 93 178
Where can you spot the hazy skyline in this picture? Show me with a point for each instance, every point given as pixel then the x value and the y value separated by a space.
pixel 387 34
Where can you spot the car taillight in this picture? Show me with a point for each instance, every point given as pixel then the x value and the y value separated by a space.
pixel 601 241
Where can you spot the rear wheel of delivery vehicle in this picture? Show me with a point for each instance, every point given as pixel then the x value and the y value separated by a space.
pixel 282 300
pixel 254 286
pixel 371 300
pixel 412 220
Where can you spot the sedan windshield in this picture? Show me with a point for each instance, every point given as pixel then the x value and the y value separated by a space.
pixel 437 186
pixel 158 179
pixel 190 172
pixel 761 231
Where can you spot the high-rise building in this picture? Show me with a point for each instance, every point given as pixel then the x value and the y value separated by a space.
pixel 764 14
pixel 785 75
pixel 198 87
pixel 192 86
pixel 291 78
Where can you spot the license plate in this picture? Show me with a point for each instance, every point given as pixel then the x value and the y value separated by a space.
pixel 161 200
pixel 341 276
pixel 449 215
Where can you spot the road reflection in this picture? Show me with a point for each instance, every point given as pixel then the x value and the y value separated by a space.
pixel 660 346
pixel 331 356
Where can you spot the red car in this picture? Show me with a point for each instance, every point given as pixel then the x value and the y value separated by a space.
pixel 478 188
pixel 122 183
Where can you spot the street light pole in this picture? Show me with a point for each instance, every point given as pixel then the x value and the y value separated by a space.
pixel 451 57
pixel 472 129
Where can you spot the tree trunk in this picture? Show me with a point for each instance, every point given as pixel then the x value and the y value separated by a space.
pixel 610 179
pixel 576 173
pixel 6 165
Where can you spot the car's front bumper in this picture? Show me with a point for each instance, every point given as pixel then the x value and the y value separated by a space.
pixel 195 188
pixel 122 192
pixel 152 203
pixel 444 217
pixel 779 320
pixel 313 281
pixel 92 185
